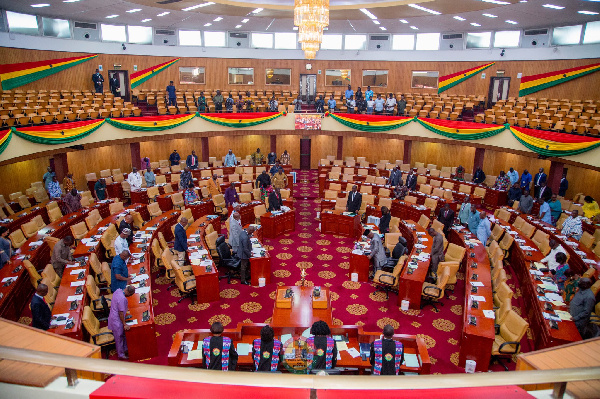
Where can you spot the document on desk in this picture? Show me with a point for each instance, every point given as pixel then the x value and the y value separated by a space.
pixel 558 303
pixel 536 272
pixel 353 352
pixel 341 345
pixel 489 314
pixel 195 354
pixel 139 278
pixel 420 246
pixel 590 261
pixel 77 271
pixel 553 297
pixel 142 290
pixel 137 254
pixel 478 298
pixel 411 360
pixel 243 349
pixel 77 283
pixel 563 314
pixel 551 317
pixel 72 298
pixel 132 322
pixel 419 233
pixel 476 283
pixel 549 287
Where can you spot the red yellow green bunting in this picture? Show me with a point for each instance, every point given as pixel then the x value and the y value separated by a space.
pixel 370 123
pixel 58 133
pixel 533 83
pixel 15 75
pixel 552 143
pixel 460 130
pixel 5 136
pixel 448 81
pixel 137 78
pixel 150 123
pixel 241 119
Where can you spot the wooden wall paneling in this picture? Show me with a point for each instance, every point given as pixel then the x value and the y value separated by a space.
pixel 373 148
pixel 496 161
pixel 19 175
pixel 399 75
pixel 443 154
pixel 320 146
pixel 97 159
pixel 161 149
pixel 242 145
pixel 582 180
pixel 291 143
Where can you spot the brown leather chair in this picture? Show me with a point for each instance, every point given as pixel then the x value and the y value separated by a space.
pixel 100 336
pixel 432 293
pixel 507 342
pixel 386 281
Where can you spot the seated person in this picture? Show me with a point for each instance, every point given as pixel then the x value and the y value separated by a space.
pixel 400 192
pixel 275 201
pixel 550 259
pixel 189 195
pixel 266 351
pixel 218 352
pixel 322 350
pixel 377 251
pixel 526 203
pixel 559 273
pixel 514 194
pixel 387 355
pixel 572 226
pixel 590 207
pixel 581 306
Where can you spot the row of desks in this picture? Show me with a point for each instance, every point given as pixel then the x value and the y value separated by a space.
pixel 15 221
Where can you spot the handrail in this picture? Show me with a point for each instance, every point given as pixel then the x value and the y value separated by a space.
pixel 301 381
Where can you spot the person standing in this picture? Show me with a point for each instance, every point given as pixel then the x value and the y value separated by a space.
pixel 72 201
pixel 285 158
pixel 218 101
pixel 279 179
pixel 172 94
pixel 322 350
pixel 479 176
pixel 54 191
pixel 134 179
pixel 263 180
pixel 437 252
pixel 331 104
pixel 230 160
pixel 513 175
pixel 273 104
pixel 149 177
pixel 100 189
pixel 231 195
pixel 6 251
pixel 185 179
pixel 460 173
pixel 174 158
pixel 180 243
pixel 582 305
pixel 370 106
pixel 40 311
pixel 61 255
pixel 465 210
pixel 201 102
pixel 192 160
pixel 235 229
pixel 119 274
pixel 257 158
pixel 98 80
pixel 384 221
pixel 544 214
pixel 114 85
pixel 189 195
pixel 229 103
pixel 368 93
pixel 539 178
pixel 348 93
pixel 116 319
pixel 502 181
pixel 122 241
pixel 245 252
pixel 387 355
pixel 514 194
pixel 69 183
pixel 145 163
pixel 526 203
pixel 275 201
pixel 354 200
pixel 350 104
pixel 484 229
pixel 544 192
pixel 214 188
pixel 379 103
pixel 395 177
pixel 218 352
pixel 47 178
pixel 320 104
pixel 266 350
pixel 474 219
pixel 390 104
pixel 271 158
pixel 555 208
pixel 401 105
pixel 446 217
pixel 411 181
pixel 525 180
pixel 564 185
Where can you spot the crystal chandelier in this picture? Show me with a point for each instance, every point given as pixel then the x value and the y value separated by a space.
pixel 311 16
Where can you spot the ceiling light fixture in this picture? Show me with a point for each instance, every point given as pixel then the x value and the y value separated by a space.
pixel 218 19
pixel 245 20
pixel 162 14
pixel 368 13
pixel 112 16
pixel 418 7
pixel 414 27
pixel 207 24
pixel 258 10
pixel 382 28
pixel 238 26
pixel 404 21
pixel 147 20
pixel 459 18
pixel 134 10
pixel 376 22
pixel 552 6
pixel 312 17
pixel 509 21
pixel 70 1
pixel 502 3
pixel 587 12
pixel 490 15
pixel 209 3
pixel 475 24
pixel 40 5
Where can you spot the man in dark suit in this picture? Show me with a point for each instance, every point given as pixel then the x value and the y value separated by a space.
pixel 395 177
pixel 245 252
pixel 180 245
pixel 354 200
pixel 174 158
pixel 564 185
pixel 479 176
pixel 114 84
pixel 544 192
pixel 446 217
pixel 40 311
pixel 192 161
pixel 98 80
pixel 274 200
pixel 411 181
pixel 538 179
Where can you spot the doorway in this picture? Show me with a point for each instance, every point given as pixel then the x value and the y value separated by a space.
pixel 498 90
pixel 304 154
pixel 308 88
pixel 122 85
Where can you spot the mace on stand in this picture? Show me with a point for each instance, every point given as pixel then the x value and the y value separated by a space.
pixel 303 275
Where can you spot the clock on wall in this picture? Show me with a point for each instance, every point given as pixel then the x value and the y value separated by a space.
pixel 308 67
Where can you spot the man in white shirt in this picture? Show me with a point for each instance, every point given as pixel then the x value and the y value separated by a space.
pixel 390 104
pixel 377 251
pixel 572 226
pixel 484 229
pixel 555 248
pixel 134 179
pixel 513 175
pixel 121 243
pixel 230 159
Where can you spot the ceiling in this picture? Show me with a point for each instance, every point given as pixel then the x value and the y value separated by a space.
pixel 345 16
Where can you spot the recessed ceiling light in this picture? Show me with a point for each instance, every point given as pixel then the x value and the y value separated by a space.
pixel 207 24
pixel 418 7
pixel 245 20
pixel 134 10
pixel 162 14
pixel 295 28
pixel 509 21
pixel 382 28
pixel 475 24
pixel 588 12
pixel 258 10
pixel 238 26
pixel 490 15
pixel 404 21
pixel 502 3
pixel 209 3
pixel 459 18
pixel 70 1
pixel 218 19
pixel 376 22
pixel 368 13
pixel 552 6
pixel 40 5
pixel 414 27
pixel 112 16
pixel 522 1
pixel 147 20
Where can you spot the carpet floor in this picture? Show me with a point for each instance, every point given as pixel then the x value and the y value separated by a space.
pixel 326 258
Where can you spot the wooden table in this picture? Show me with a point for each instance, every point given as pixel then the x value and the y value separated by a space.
pixel 410 284
pixel 335 222
pixel 360 263
pixel 301 314
pixel 275 225
pixel 247 212
pixel 207 282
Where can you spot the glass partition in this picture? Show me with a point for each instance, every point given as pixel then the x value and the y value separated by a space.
pixel 191 75
pixel 241 76
pixel 337 77
pixel 374 78
pixel 278 76
pixel 424 79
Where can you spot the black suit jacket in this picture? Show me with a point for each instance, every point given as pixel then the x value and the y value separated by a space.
pixel 446 220
pixel 188 161
pixel 41 313
pixel 411 182
pixel 274 201
pixel 245 246
pixel 354 201
pixel 479 177
pixel 546 195
pixel 542 178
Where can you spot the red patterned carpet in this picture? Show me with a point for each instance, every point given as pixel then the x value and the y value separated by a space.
pixel 326 258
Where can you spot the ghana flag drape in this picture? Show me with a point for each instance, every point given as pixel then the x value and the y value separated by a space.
pixel 531 84
pixel 554 144
pixel 448 81
pixel 370 123
pixel 150 123
pixel 460 130
pixel 137 78
pixel 5 136
pixel 15 75
pixel 242 119
pixel 58 133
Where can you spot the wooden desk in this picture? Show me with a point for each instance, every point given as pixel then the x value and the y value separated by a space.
pixel 207 283
pixel 410 284
pixel 408 211
pixel 15 221
pixel 301 314
pixel 139 196
pixel 334 222
pixel 275 225
pixel 247 212
pixel 360 263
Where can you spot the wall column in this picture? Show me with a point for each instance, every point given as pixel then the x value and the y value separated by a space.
pixel 555 175
pixel 136 158
pixel 273 143
pixel 340 147
pixel 204 141
pixel 61 167
pixel 478 161
pixel 407 151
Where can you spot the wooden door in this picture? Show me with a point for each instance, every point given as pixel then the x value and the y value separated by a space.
pixel 304 154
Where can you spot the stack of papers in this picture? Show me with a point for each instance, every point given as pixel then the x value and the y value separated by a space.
pixel 563 315
pixel 142 290
pixel 549 316
pixel 77 271
pixel 478 298
pixel 72 298
pixel 489 314
pixel 77 283
pixel 139 278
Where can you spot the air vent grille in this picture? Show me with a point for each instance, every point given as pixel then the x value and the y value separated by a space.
pixel 536 32
pixel 165 32
pixel 452 36
pixel 85 25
